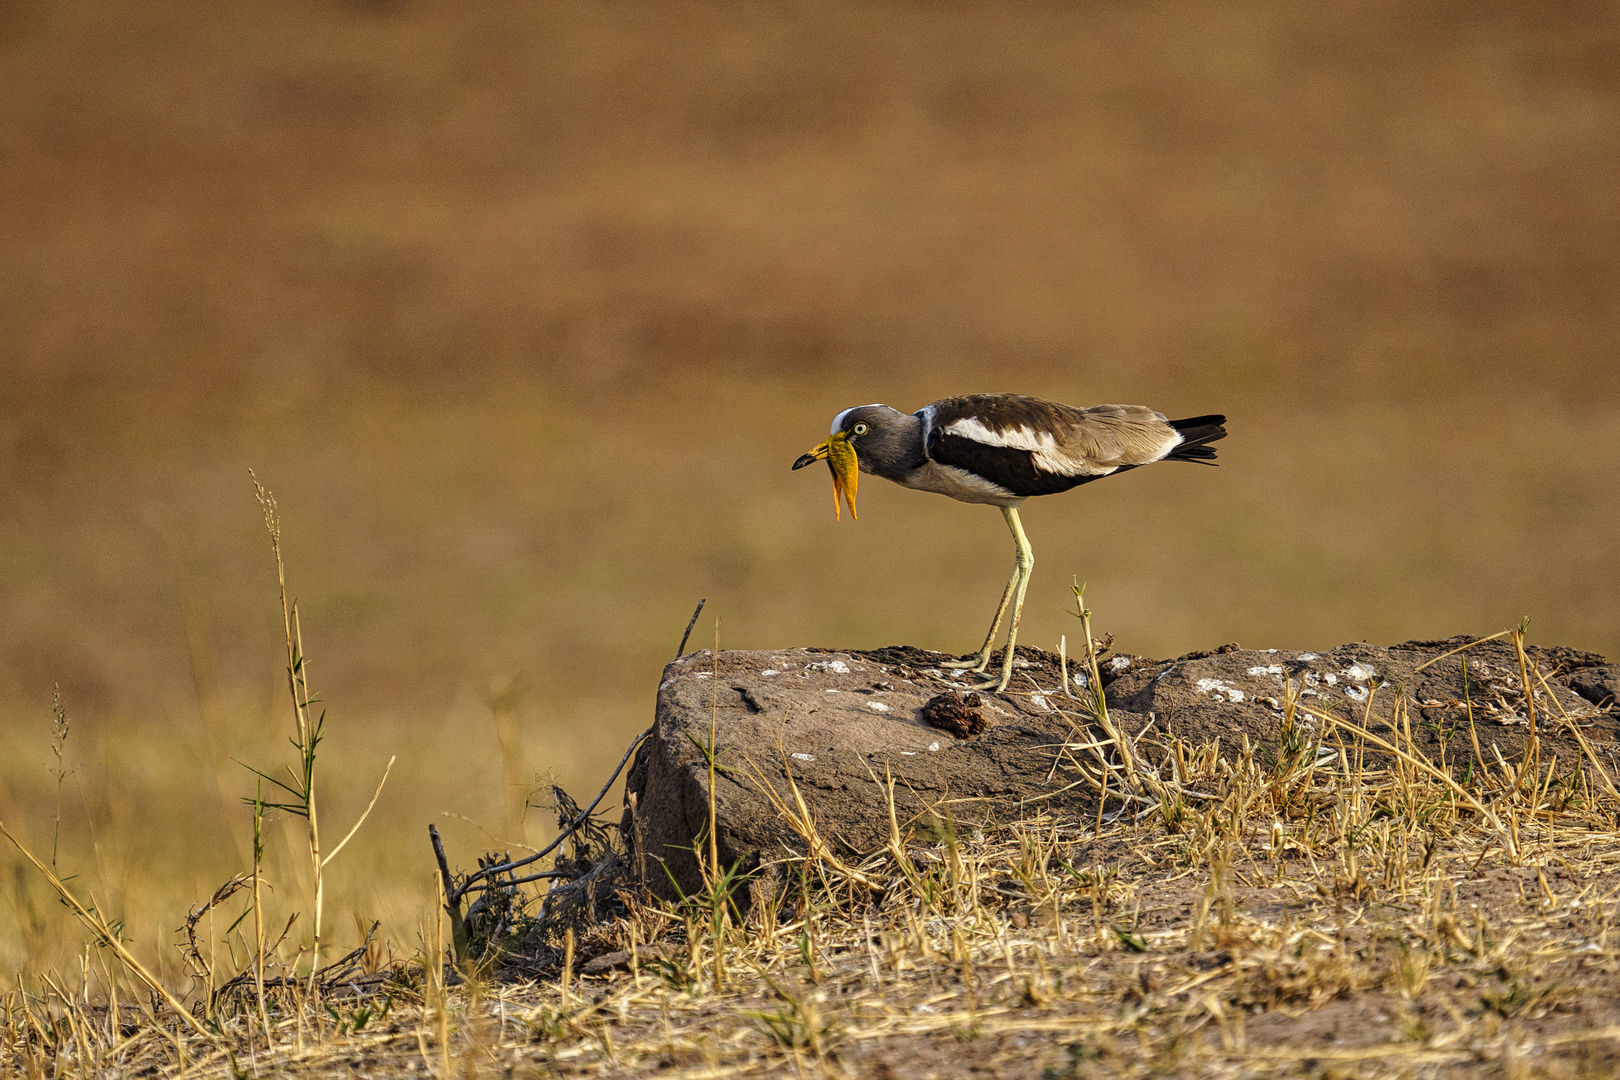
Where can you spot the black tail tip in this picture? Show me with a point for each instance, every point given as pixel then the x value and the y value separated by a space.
pixel 1213 420
pixel 1197 432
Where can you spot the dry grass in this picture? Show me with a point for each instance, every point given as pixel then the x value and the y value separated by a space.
pixel 1347 909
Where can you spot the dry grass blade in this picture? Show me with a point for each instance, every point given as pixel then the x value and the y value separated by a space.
pixel 803 823
pixel 105 934
pixel 1580 737
pixel 364 814
pixel 1457 789
pixel 1461 648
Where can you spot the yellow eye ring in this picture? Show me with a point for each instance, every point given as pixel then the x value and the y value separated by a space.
pixel 860 428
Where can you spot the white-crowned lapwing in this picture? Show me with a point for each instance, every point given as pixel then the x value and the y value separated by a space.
pixel 1001 449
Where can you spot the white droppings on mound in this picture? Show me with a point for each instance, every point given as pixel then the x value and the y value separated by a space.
pixel 1359 672
pixel 1214 687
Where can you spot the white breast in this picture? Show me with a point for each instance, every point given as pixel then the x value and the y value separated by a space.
pixel 959 484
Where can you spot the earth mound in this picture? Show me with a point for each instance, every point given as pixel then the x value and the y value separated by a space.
pixel 839 730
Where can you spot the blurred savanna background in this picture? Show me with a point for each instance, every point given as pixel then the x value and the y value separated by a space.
pixel 523 310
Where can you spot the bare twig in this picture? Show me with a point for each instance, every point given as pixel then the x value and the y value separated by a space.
pixel 452 898
pixel 680 652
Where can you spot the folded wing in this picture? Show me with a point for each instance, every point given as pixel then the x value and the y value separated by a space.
pixel 1033 447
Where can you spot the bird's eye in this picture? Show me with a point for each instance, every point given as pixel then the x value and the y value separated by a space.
pixel 861 428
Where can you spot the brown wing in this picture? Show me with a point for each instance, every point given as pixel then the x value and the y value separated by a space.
pixel 1033 447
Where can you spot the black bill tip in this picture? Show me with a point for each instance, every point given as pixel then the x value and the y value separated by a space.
pixel 804 459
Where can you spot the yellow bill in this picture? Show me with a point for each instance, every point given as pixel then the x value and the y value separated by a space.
pixel 846 472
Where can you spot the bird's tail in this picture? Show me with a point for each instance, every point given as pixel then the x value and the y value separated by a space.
pixel 1197 433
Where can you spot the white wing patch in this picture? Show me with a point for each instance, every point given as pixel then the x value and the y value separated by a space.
pixel 1096 450
pixel 1018 438
pixel 1046 454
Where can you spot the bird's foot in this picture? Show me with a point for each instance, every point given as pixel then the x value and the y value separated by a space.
pixel 977 665
pixel 993 685
pixel 997 683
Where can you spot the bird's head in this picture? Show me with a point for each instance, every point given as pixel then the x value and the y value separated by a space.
pixel 871 428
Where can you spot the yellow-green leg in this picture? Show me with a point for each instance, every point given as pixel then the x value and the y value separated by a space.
pixel 1023 564
pixel 1022 568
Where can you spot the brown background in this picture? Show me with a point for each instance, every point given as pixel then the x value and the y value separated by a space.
pixel 523 310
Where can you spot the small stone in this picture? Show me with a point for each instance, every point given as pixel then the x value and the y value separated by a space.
pixel 1599 685
pixel 605 963
pixel 620 960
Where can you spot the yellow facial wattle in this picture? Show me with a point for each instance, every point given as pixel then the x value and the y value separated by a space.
pixel 846 473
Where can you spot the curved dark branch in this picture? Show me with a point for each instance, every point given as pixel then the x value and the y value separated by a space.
pixel 454 896
pixel 680 652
